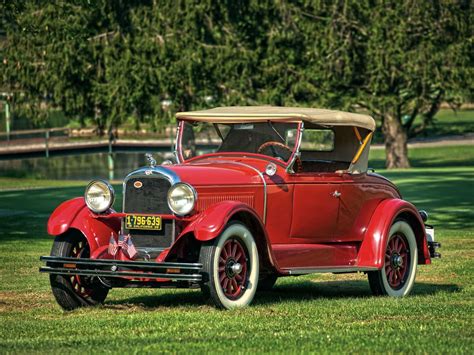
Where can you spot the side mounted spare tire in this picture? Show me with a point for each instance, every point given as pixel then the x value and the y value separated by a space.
pixel 230 267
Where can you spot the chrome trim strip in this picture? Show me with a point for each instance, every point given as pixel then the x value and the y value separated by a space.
pixel 263 180
pixel 296 153
pixel 335 270
pixel 175 146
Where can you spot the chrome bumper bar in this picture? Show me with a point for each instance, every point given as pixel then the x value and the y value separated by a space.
pixel 121 269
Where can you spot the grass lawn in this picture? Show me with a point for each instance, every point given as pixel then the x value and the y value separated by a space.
pixel 318 313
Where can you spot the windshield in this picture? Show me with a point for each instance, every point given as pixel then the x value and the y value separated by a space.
pixel 273 139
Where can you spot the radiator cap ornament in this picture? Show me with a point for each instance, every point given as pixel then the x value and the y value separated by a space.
pixel 151 160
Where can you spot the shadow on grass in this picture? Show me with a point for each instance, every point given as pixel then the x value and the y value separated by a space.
pixel 302 291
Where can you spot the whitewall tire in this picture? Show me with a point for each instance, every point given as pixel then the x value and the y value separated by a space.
pixel 230 267
pixel 397 276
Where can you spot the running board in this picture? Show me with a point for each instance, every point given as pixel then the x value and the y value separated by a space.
pixel 333 270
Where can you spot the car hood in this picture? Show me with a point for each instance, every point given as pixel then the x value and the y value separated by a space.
pixel 217 173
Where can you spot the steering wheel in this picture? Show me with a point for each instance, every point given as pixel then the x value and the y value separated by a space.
pixel 274 148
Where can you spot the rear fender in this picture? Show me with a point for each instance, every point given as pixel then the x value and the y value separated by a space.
pixel 372 250
pixel 211 222
pixel 74 214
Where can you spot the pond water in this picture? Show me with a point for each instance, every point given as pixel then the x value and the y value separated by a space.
pixel 77 167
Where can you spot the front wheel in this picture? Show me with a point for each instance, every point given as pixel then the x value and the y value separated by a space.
pixel 73 291
pixel 397 276
pixel 230 267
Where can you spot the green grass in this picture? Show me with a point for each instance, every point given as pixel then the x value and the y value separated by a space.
pixel 315 313
pixel 429 157
pixel 448 122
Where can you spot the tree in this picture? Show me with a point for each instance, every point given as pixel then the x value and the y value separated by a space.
pixel 116 60
pixel 399 60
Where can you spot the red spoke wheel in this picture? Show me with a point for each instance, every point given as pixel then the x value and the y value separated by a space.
pixel 397 276
pixel 80 250
pixel 233 268
pixel 230 267
pixel 73 291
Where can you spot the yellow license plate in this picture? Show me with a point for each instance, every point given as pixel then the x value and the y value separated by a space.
pixel 133 221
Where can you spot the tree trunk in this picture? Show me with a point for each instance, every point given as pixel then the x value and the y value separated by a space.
pixel 396 149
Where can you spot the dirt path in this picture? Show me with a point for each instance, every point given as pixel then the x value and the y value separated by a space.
pixel 466 139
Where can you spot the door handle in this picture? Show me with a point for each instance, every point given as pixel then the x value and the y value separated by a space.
pixel 336 194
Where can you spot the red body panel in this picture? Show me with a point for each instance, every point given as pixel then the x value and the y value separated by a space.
pixel 210 223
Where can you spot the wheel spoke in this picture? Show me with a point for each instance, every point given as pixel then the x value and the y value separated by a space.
pixel 234 285
pixel 234 249
pixel 395 243
pixel 222 277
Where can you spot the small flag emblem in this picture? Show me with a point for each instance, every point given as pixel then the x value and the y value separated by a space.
pixel 113 246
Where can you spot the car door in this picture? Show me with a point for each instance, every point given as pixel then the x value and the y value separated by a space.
pixel 315 207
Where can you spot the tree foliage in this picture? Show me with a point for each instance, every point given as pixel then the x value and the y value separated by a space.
pixel 112 60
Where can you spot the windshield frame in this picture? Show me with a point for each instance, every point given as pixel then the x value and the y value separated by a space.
pixel 286 164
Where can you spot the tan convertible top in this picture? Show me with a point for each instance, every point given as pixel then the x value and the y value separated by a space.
pixel 236 114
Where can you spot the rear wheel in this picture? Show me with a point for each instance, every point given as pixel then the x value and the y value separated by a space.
pixel 230 267
pixel 73 291
pixel 397 276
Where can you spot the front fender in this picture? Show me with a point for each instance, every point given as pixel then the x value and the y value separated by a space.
pixel 74 214
pixel 372 250
pixel 211 222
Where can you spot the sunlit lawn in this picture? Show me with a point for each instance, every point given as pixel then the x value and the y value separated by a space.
pixel 319 313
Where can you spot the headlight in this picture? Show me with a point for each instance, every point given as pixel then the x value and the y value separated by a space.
pixel 99 196
pixel 181 198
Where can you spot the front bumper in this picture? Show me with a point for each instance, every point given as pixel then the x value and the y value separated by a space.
pixel 107 268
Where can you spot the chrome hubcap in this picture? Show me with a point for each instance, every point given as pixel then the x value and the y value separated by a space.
pixel 397 260
pixel 236 268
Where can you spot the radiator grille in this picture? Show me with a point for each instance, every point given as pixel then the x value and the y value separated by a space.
pixel 150 198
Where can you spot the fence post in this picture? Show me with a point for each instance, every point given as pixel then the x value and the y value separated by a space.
pixel 46 142
pixel 7 119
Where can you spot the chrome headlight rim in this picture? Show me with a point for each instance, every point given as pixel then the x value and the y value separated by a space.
pixel 111 192
pixel 194 194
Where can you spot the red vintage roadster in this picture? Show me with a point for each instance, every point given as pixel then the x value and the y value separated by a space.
pixel 277 192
